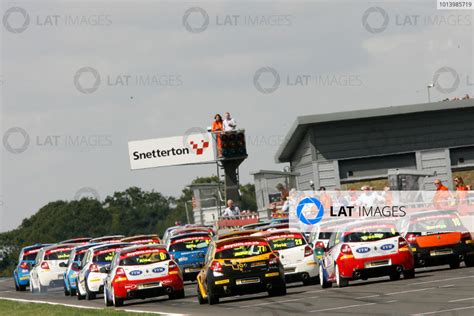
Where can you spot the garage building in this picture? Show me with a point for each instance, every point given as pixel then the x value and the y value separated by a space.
pixel 349 149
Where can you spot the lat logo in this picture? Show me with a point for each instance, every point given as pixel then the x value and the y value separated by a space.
pixel 199 147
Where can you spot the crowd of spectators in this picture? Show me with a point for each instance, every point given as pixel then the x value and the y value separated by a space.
pixel 466 97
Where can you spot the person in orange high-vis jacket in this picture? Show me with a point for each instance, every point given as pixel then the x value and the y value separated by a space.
pixel 441 198
pixel 218 128
pixel 461 190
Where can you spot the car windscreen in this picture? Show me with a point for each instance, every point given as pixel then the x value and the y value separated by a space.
pixel 79 256
pixel 367 233
pixel 242 249
pixel 30 255
pixel 190 243
pixel 105 255
pixel 286 241
pixel 57 254
pixel 142 257
pixel 436 223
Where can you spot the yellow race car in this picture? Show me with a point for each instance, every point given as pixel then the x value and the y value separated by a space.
pixel 237 266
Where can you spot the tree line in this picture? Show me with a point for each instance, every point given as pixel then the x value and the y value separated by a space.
pixel 131 212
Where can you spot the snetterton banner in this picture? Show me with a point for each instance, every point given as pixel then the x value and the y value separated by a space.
pixel 172 151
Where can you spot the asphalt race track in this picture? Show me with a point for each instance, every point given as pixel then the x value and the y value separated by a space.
pixel 434 291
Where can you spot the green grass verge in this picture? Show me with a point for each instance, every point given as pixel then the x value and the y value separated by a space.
pixel 38 309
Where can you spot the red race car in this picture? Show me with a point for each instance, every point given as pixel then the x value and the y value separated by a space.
pixel 142 271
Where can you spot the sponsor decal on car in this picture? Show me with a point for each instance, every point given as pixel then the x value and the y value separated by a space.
pixel 158 270
pixel 135 272
pixel 387 247
pixel 363 250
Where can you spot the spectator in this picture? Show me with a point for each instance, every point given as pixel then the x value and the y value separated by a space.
pixel 461 189
pixel 217 128
pixel 439 185
pixel 442 196
pixel 466 97
pixel 325 199
pixel 231 210
pixel 229 123
pixel 283 191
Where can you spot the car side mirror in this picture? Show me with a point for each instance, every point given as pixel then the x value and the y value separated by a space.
pixel 105 269
pixel 63 264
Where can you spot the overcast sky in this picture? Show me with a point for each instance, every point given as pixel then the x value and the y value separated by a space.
pixel 81 79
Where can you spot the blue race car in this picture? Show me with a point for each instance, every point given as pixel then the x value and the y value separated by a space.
pixel 189 251
pixel 21 274
pixel 70 276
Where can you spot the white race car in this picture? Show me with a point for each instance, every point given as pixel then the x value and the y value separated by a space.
pixel 90 279
pixel 295 254
pixel 365 249
pixel 49 268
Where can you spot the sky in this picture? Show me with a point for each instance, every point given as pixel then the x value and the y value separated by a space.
pixel 79 80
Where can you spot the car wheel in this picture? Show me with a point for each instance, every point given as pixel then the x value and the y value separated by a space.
pixel 73 292
pixel 32 288
pixel 277 291
pixel 212 298
pixel 409 274
pixel 89 295
pixel 22 287
pixel 176 295
pixel 469 261
pixel 106 298
pixel 454 264
pixel 117 301
pixel 395 276
pixel 42 289
pixel 80 297
pixel 17 288
pixel 201 299
pixel 341 281
pixel 322 279
pixel 311 281
pixel 66 291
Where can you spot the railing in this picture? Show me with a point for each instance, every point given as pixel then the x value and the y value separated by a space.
pixel 236 221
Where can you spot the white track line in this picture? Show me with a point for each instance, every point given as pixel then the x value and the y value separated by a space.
pixel 85 307
pixel 341 307
pixel 403 292
pixel 447 285
pixel 278 302
pixel 461 299
pixel 48 303
pixel 368 296
pixel 445 310
pixel 442 280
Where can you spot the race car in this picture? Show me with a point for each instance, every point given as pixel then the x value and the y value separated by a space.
pixel 237 266
pixel 438 238
pixel 189 230
pixel 320 234
pixel 295 254
pixel 107 239
pixel 189 251
pixel 365 249
pixel 21 274
pixel 50 264
pixel 142 271
pixel 235 233
pixel 142 239
pixel 79 240
pixel 93 269
pixel 70 275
